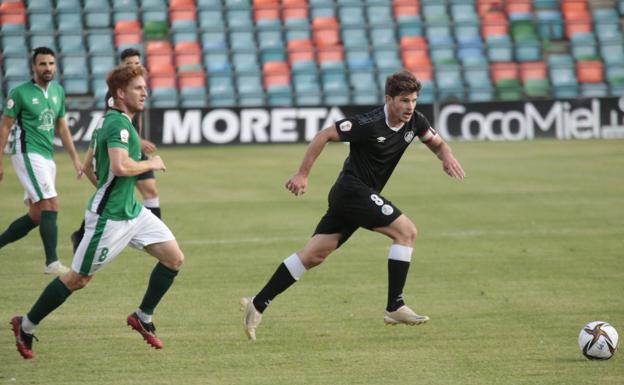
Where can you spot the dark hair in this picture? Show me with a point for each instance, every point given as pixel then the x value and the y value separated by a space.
pixel 41 51
pixel 402 82
pixel 122 75
pixel 129 52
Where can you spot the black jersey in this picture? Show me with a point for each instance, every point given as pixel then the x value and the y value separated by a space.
pixel 375 149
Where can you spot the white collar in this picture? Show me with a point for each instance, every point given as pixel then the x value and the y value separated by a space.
pixel 396 128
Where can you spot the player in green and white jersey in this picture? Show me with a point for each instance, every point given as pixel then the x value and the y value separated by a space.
pixel 33 111
pixel 114 218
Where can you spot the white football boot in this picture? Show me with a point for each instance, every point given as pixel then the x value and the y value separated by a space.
pixel 55 268
pixel 404 315
pixel 251 318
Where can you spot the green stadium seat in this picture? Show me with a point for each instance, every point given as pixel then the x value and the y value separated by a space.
pixel 537 88
pixel 508 89
pixel 155 30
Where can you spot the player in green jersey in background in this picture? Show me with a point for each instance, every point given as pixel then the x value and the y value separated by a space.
pixel 114 218
pixel 33 111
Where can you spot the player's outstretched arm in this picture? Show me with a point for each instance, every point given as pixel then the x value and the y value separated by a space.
pixel 7 123
pixel 68 143
pixel 298 183
pixel 443 151
pixel 123 165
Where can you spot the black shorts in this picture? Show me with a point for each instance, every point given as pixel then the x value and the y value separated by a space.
pixel 354 205
pixel 146 174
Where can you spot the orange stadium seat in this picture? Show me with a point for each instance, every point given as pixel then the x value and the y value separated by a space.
pixel 192 79
pixel 533 70
pixel 300 50
pixel 504 70
pixel 325 31
pixel 12 12
pixel 294 9
pixel 276 74
pixel 590 71
pixel 266 9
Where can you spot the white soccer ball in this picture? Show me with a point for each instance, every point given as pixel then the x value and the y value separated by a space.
pixel 598 340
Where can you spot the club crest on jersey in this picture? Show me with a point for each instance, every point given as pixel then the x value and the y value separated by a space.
pixel 10 104
pixel 387 210
pixel 124 135
pixel 381 139
pixel 345 126
pixel 35 101
pixel 409 135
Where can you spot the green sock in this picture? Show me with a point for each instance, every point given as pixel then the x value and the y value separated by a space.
pixel 17 230
pixel 52 297
pixel 160 281
pixel 48 231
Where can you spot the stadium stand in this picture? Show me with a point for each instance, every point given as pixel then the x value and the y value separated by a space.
pixel 309 52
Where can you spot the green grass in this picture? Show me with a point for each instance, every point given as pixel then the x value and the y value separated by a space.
pixel 509 265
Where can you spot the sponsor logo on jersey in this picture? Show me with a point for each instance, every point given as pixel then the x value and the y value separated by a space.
pixel 124 135
pixel 387 210
pixel 54 99
pixel 345 126
pixel 35 101
pixel 409 135
pixel 10 103
pixel 381 139
pixel 46 120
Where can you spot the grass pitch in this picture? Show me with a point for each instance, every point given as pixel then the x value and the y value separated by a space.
pixel 509 265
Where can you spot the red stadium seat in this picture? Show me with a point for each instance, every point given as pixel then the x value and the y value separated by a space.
pixel 300 50
pixel 590 71
pixel 533 70
pixel 325 31
pixel 275 73
pixel 504 70
pixel 192 79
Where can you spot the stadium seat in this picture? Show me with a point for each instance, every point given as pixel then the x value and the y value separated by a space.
pixel 351 15
pixel 43 40
pixel 12 16
pixel 40 6
pixel 71 43
pixel 100 42
pixel 354 37
pixel 217 62
pixel 449 82
pixel 14 45
pixel 562 75
pixel 325 31
pixel 16 68
pixel 590 71
pixel 101 64
pixel 69 22
pixel 40 22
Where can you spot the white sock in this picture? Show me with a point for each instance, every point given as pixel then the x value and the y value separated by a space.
pixel 147 318
pixel 27 325
pixel 294 266
pixel 152 202
pixel 400 253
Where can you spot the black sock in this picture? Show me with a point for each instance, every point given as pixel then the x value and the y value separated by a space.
pixel 155 210
pixel 16 230
pixel 397 275
pixel 160 281
pixel 52 297
pixel 49 235
pixel 280 281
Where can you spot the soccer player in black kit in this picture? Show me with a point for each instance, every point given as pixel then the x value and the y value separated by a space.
pixel 377 140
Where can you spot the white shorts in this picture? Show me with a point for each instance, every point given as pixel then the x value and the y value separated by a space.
pixel 37 175
pixel 104 239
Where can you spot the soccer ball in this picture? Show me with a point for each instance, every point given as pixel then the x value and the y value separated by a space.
pixel 598 340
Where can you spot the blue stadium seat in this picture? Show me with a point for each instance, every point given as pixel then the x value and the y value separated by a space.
pixel 98 19
pixel 410 25
pixel 562 72
pixel 69 22
pixel 125 5
pixel 76 85
pixel 156 5
pixel 612 52
pixel 16 68
pixel 351 15
pixel 383 37
pixel 449 82
pixel 245 61
pixel 101 42
pixel 584 46
pixel 211 19
pixel 99 89
pixel 322 11
pixel 164 98
pixel 193 97
pixel 279 95
pixel 378 14
pixel 40 6
pixel 71 43
pixel 354 37
pixel 217 62
pixel 101 64
pixel 434 12
pixel 68 5
pixel 594 90
pixel 499 48
pixel 74 65
pixel 239 19
pixel 442 53
pixel 214 41
pixel 41 22
pixel 96 5
pixel 387 58
pixel 464 12
pixel 550 24
pixel 242 40
pixel 307 90
pixel 43 40
pixel 14 45
pixel 359 59
pixel 209 4
pixel 427 93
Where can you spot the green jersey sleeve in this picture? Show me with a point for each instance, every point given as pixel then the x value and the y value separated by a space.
pixel 61 113
pixel 118 137
pixel 13 105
